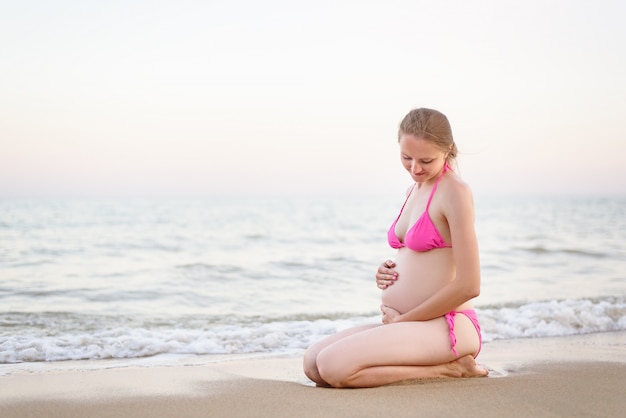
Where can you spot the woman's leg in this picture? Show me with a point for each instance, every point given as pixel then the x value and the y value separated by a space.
pixel 385 354
pixel 310 355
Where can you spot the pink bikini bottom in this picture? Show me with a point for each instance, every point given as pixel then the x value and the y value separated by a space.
pixel 471 314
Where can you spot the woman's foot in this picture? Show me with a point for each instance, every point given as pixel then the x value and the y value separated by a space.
pixel 465 367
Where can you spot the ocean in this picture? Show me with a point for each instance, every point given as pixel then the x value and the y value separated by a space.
pixel 161 279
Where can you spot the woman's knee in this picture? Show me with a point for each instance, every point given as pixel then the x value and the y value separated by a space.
pixel 309 363
pixel 333 369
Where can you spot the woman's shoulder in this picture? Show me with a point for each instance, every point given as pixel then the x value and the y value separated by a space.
pixel 455 192
pixel 455 186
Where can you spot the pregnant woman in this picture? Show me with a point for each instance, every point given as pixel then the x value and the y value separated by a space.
pixel 429 328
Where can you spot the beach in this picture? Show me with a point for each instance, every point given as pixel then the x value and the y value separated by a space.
pixel 204 307
pixel 572 376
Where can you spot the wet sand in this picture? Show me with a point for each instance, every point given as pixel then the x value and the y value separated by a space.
pixel 579 376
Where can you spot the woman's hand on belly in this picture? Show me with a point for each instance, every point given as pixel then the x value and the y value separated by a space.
pixel 390 315
pixel 386 275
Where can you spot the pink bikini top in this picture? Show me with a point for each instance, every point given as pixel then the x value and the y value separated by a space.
pixel 423 236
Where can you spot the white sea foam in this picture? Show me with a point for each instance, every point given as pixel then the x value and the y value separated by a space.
pixel 554 318
pixel 194 337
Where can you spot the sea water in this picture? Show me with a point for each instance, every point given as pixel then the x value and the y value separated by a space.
pixel 152 278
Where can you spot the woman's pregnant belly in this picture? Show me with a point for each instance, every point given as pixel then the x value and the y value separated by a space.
pixel 420 275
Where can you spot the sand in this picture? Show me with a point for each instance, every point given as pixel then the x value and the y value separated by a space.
pixel 579 376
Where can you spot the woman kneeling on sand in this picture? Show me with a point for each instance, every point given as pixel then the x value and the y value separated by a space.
pixel 429 328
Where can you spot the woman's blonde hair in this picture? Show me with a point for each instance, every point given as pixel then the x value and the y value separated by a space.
pixel 431 125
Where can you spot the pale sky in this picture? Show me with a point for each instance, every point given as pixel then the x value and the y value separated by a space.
pixel 198 98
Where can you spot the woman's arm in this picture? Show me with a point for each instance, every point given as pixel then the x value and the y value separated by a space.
pixel 458 209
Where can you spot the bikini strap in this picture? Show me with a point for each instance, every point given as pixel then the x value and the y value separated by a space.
pixel 407 199
pixel 432 192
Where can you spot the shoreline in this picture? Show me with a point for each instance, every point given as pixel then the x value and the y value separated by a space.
pixel 578 375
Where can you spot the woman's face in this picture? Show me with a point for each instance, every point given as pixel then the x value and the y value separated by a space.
pixel 423 159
